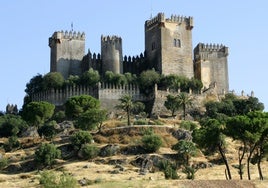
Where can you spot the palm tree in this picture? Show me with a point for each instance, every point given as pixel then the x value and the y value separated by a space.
pixel 184 100
pixel 126 104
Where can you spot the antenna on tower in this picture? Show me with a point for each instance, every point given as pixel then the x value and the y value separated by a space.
pixel 72 26
pixel 151 16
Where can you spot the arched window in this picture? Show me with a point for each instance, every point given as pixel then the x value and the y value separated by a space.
pixel 177 43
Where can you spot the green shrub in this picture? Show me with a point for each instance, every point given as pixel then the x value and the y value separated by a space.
pixel 79 138
pixel 52 180
pixel 140 122
pixel 48 130
pixel 47 154
pixel 169 169
pixel 189 171
pixel 59 116
pixel 3 163
pixel 151 143
pixel 155 122
pixel 188 125
pixel 12 143
pixel 90 151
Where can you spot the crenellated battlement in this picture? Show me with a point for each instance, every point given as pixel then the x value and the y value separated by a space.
pixel 157 19
pixel 173 19
pixel 111 39
pixel 179 19
pixel 69 35
pixel 210 47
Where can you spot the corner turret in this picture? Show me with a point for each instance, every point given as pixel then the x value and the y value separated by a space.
pixel 111 54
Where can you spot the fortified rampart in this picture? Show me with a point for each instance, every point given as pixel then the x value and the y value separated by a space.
pixel 108 94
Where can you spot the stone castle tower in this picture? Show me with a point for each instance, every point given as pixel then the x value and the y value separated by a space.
pixel 168 44
pixel 67 51
pixel 211 65
pixel 111 54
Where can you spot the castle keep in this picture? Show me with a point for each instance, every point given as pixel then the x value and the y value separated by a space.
pixel 168 50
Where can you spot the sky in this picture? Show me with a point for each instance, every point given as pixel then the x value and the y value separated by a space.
pixel 26 26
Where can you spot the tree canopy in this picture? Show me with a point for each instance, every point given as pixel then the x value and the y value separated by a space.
pixel 37 113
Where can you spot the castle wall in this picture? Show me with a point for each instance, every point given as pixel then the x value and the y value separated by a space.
pixel 108 95
pixel 211 66
pixel 67 51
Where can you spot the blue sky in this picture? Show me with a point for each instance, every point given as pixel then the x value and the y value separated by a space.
pixel 26 26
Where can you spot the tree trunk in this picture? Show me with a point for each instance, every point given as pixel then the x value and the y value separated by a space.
pixel 240 159
pixel 259 164
pixel 248 160
pixel 184 111
pixel 225 161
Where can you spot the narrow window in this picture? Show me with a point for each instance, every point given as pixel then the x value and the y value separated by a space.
pixel 178 43
pixel 175 42
pixel 153 46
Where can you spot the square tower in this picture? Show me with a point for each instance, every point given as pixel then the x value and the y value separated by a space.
pixel 66 53
pixel 211 66
pixel 168 44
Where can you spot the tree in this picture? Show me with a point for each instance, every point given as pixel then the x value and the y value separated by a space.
pixel 77 105
pixel 151 142
pixel 36 113
pixel 72 80
pixel 11 125
pixel 236 127
pixel 184 101
pixel 35 85
pixel 251 131
pixel 90 77
pixel 172 104
pixel 48 130
pixel 147 80
pixel 53 80
pixel 126 104
pixel 47 154
pixel 91 119
pixel 211 137
pixel 186 149
pixel 79 138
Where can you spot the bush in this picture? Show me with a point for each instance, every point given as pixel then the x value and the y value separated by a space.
pixel 48 130
pixel 140 122
pixel 188 125
pixel 11 125
pixel 90 151
pixel 79 138
pixel 169 169
pixel 51 180
pixel 3 163
pixel 151 143
pixel 12 143
pixel 59 116
pixel 190 172
pixel 47 154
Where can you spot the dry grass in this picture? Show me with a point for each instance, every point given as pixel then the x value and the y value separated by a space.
pixel 100 172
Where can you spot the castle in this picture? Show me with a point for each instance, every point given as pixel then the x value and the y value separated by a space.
pixel 168 50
